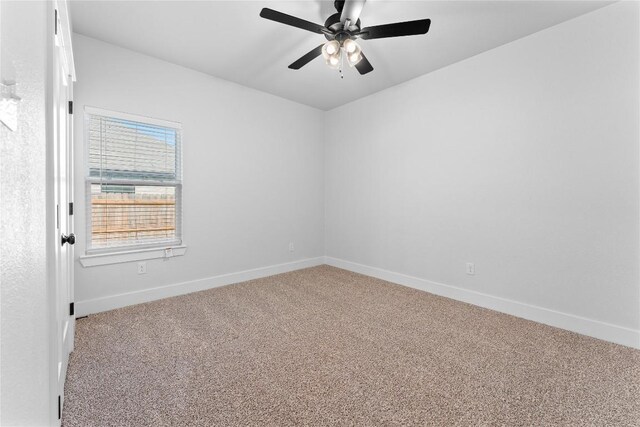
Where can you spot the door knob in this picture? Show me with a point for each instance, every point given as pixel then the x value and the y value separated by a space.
pixel 70 239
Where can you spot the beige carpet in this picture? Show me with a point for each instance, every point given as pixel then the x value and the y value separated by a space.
pixel 324 346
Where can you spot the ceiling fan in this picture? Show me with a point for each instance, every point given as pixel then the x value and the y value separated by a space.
pixel 342 29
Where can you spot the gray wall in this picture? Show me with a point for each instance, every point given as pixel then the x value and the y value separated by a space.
pixel 253 171
pixel 522 160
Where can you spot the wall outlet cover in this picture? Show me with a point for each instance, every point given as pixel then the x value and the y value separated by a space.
pixel 471 268
pixel 142 268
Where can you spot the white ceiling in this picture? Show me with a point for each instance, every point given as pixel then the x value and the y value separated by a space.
pixel 228 39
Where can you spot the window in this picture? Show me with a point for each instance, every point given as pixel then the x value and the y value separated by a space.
pixel 133 183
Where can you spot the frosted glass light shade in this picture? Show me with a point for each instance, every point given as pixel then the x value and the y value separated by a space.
pixel 330 48
pixel 333 61
pixel 350 46
pixel 354 52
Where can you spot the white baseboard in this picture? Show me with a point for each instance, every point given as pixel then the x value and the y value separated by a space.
pixel 593 328
pixel 84 308
pixel 581 325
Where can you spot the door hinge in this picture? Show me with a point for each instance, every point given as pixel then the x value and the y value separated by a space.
pixel 55 22
pixel 70 208
pixel 70 107
pixel 71 309
pixel 59 407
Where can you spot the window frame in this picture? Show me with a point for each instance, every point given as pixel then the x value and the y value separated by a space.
pixel 137 251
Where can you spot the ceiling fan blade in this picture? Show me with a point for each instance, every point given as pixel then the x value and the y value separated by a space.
pixel 283 18
pixel 364 66
pixel 408 28
pixel 305 59
pixel 351 10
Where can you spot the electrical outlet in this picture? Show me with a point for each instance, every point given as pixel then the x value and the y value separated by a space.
pixel 471 268
pixel 142 268
pixel 291 247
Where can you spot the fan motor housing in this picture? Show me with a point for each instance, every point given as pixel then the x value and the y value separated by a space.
pixel 333 23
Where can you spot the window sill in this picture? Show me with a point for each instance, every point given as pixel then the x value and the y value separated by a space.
pixel 130 256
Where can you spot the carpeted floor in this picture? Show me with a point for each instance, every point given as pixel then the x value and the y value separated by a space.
pixel 324 346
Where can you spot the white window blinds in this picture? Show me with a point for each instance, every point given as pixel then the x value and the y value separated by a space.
pixel 134 181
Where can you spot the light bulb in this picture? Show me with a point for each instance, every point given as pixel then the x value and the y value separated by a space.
pixel 330 48
pixel 350 46
pixel 354 59
pixel 354 52
pixel 333 61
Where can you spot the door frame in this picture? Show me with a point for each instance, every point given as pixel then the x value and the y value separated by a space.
pixel 58 43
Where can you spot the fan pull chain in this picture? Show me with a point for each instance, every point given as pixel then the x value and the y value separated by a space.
pixel 341 65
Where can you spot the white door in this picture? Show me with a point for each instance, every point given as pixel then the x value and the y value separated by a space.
pixel 64 238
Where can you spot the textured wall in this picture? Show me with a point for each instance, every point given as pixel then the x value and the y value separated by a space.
pixel 23 274
pixel 523 160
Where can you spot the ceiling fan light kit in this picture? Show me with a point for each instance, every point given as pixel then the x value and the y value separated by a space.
pixel 341 30
pixel 332 53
